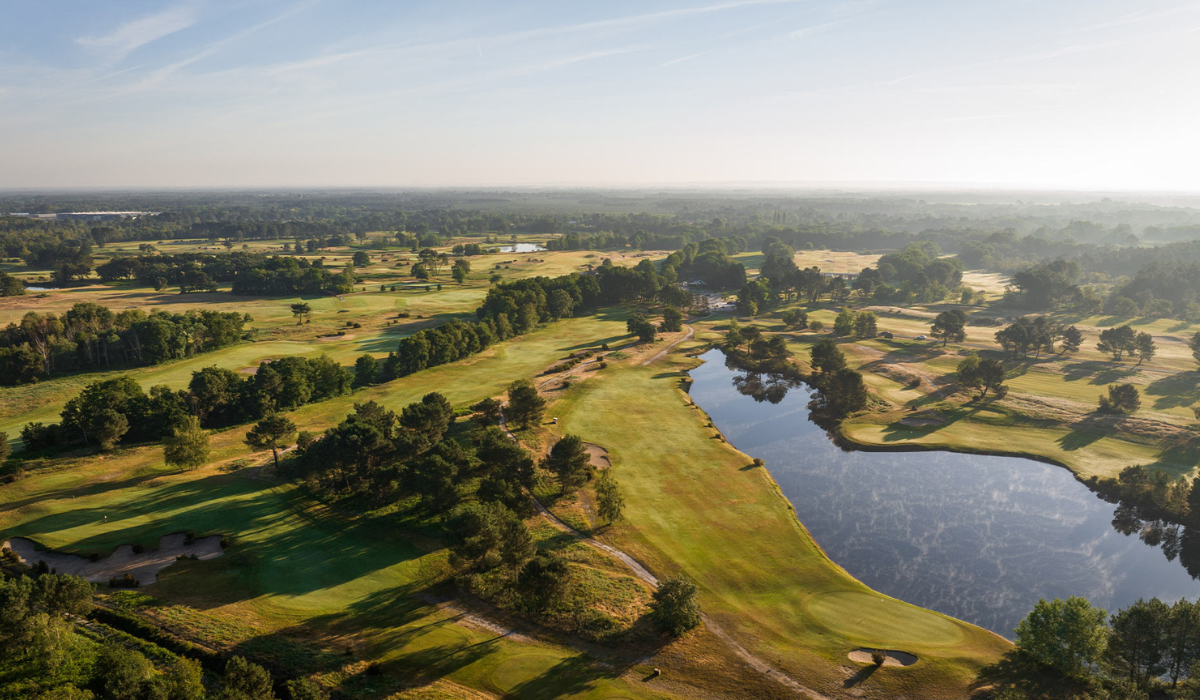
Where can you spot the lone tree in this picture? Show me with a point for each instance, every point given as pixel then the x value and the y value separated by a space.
pixel 366 368
pixel 361 259
pixel 1067 635
pixel 1121 399
pixel 5 448
pixel 525 406
pixel 949 325
pixel 609 503
pixel 1143 345
pixel 1194 344
pixel 675 609
pixel 1072 338
pixel 672 320
pixel 1117 341
pixel 273 431
pixel 569 462
pixel 187 445
pixel 301 311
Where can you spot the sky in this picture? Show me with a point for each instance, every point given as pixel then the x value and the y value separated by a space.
pixel 1058 94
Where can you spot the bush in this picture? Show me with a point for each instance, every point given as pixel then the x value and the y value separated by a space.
pixel 878 657
pixel 126 581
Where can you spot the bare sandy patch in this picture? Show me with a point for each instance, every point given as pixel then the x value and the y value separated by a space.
pixel 890 657
pixel 144 567
pixel 597 455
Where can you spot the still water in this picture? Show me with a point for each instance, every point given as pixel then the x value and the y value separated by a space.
pixel 980 538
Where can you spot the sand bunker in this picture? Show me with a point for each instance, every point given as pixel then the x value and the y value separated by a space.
pixel 334 337
pixel 597 455
pixel 144 567
pixel 891 657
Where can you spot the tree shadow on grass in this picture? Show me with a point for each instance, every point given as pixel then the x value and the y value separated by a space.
pixel 572 676
pixel 1182 389
pixel 1086 432
pixel 1180 457
pixel 861 677
pixel 1016 670
pixel 1100 373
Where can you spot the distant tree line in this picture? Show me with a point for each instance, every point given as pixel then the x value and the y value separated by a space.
pixel 249 273
pixel 93 337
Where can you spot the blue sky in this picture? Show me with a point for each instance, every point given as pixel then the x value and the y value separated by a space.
pixel 1065 94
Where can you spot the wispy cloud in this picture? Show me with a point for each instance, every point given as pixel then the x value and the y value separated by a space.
pixel 681 59
pixel 815 29
pixel 139 32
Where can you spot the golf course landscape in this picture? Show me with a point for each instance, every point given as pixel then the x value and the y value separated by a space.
pixel 446 470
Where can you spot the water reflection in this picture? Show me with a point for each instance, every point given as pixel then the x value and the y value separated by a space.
pixel 977 537
pixel 762 386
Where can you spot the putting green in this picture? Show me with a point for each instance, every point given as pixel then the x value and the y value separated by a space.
pixel 874 618
pixel 522 668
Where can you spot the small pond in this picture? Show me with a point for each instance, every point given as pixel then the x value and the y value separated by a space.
pixel 980 538
pixel 521 248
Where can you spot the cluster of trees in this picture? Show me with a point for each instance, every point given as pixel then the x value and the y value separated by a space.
pixel 117 410
pixel 1153 494
pixel 42 656
pixel 1122 399
pixel 986 374
pixel 249 273
pixel 707 261
pixel 840 390
pixel 1134 649
pixel 10 286
pixel 92 337
pixel 388 456
pixel 916 273
pixel 761 354
pixel 1124 339
pixel 1164 289
pixel 1038 334
pixel 860 324
pixel 1048 285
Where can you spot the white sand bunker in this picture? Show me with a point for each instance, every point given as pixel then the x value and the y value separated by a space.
pixel 890 657
pixel 597 455
pixel 144 567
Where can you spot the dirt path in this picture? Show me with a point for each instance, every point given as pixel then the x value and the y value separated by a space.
pixel 686 336
pixel 142 566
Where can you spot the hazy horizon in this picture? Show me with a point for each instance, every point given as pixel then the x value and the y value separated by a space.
pixel 864 95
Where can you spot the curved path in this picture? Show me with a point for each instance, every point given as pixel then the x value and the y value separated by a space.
pixel 686 336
